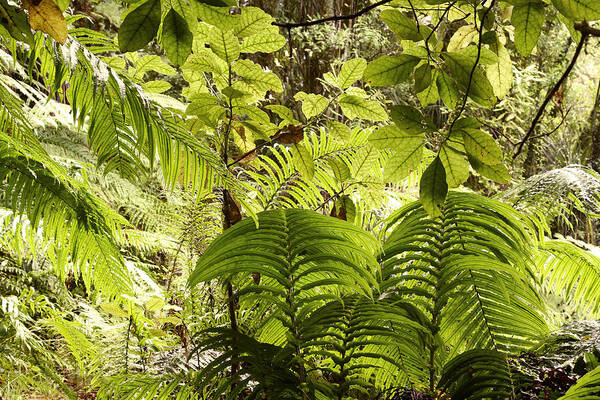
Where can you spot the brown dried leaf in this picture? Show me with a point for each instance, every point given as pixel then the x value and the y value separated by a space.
pixel 231 210
pixel 44 15
pixel 290 134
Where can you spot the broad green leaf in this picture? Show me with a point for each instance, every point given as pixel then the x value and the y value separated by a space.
pixel 433 188
pixel 224 44
pixel 391 136
pixel 485 56
pixel 405 159
pixel 579 10
pixel 218 3
pixel 497 172
pixel 183 8
pixel 339 130
pixel 403 26
pixel 528 20
pixel 255 79
pixel 447 89
pixel 366 159
pixel 154 304
pixel 351 71
pixel 253 113
pixel 263 43
pixel 152 63
pixel 139 26
pixel 176 38
pixel 462 38
pixel 390 70
pixel 284 113
pixel 303 161
pixel 203 104
pixel 454 160
pixel 202 61
pixel 356 107
pixel 215 16
pixel 252 21
pixel 407 118
pixel 156 86
pixel 500 74
pixel 430 94
pixel 423 78
pixel 312 104
pixel 114 310
pixel 481 146
pixel 339 169
pixel 46 16
pixel 461 66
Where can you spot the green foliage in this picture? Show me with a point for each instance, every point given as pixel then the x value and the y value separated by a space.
pixel 317 307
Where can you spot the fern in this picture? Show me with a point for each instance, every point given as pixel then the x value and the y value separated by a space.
pixel 587 387
pixel 470 271
pixel 572 272
pixel 75 221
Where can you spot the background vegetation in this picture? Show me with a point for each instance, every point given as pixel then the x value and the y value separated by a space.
pixel 345 199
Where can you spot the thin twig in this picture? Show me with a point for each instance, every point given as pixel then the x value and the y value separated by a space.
pixel 552 92
pixel 357 14
pixel 564 118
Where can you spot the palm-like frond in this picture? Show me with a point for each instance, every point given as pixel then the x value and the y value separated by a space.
pixel 279 185
pixel 305 259
pixel 76 223
pixel 572 272
pixel 469 270
pixel 586 388
pixel 477 374
pixel 127 130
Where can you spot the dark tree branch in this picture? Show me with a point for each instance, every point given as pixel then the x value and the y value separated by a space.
pixel 357 14
pixel 552 92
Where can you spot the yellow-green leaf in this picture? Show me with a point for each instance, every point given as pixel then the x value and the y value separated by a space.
pixel 403 26
pixel 390 70
pixel 452 156
pixel 579 10
pixel 176 38
pixel 528 19
pixel 303 161
pixel 46 16
pixel 481 146
pixel 351 71
pixel 404 160
pixel 312 104
pixel 224 44
pixel 500 74
pixel 268 42
pixel 357 107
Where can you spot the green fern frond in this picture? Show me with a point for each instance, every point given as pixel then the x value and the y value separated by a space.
pixel 586 388
pixel 77 224
pixel 469 270
pixel 572 272
pixel 477 374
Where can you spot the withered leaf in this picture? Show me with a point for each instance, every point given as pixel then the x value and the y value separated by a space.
pixel 290 134
pixel 46 16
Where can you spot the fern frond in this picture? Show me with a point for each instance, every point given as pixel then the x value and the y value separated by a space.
pixel 572 272
pixel 76 223
pixel 469 270
pixel 477 374
pixel 586 388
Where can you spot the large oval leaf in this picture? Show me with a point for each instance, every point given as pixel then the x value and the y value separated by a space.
pixel 140 26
